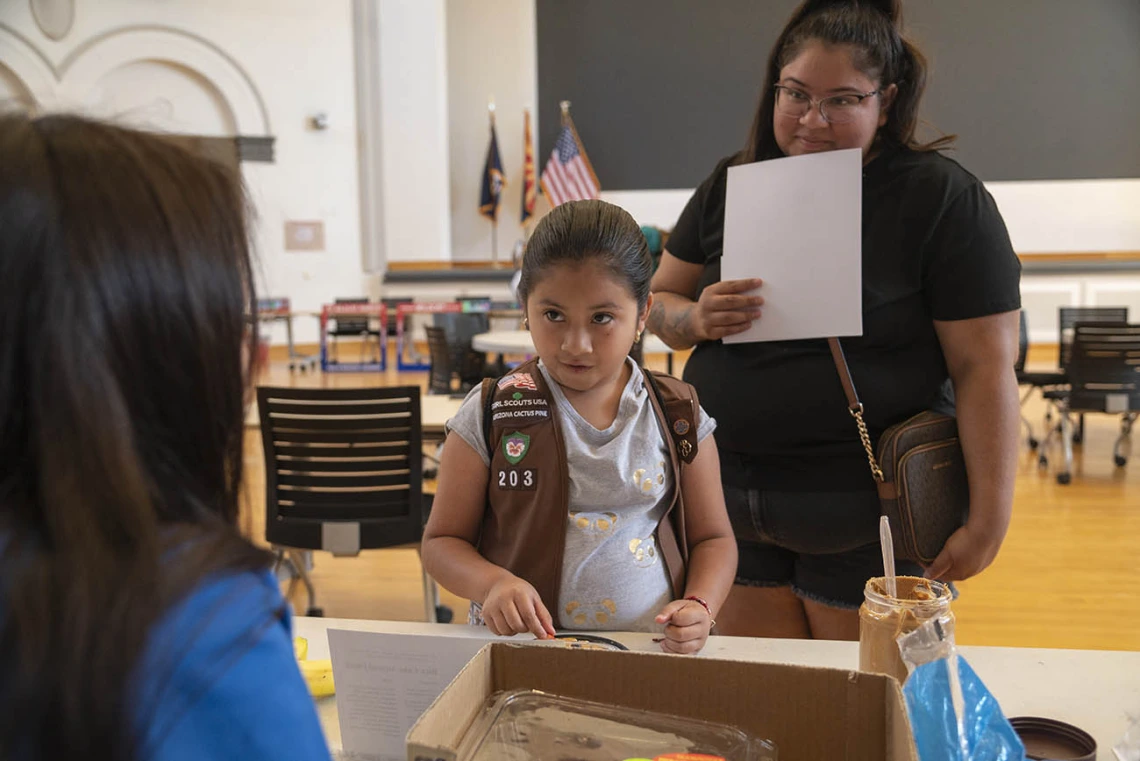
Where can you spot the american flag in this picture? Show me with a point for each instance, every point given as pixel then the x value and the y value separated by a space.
pixel 518 380
pixel 568 175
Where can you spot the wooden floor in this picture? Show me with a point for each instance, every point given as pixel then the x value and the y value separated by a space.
pixel 1068 575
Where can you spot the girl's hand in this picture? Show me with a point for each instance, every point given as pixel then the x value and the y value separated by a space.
pixel 687 625
pixel 513 607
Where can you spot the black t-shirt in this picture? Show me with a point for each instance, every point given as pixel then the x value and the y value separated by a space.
pixel 934 248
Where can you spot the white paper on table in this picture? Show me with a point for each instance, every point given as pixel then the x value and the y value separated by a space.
pixel 385 681
pixel 797 224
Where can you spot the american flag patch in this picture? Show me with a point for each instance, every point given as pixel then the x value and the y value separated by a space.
pixel 519 380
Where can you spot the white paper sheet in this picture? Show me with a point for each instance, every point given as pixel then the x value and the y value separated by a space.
pixel 385 681
pixel 796 223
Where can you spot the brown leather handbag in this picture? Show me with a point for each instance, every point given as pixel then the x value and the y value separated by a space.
pixel 920 473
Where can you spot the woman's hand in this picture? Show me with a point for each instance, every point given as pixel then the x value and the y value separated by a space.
pixel 513 607
pixel 724 309
pixel 968 552
pixel 687 626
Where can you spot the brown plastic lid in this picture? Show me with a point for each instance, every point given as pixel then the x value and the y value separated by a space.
pixel 1054 740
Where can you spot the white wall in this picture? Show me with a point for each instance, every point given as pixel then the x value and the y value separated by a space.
pixel 413 132
pixel 1071 216
pixel 1062 216
pixel 490 53
pixel 216 67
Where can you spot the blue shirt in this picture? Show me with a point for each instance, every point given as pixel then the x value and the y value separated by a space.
pixel 219 681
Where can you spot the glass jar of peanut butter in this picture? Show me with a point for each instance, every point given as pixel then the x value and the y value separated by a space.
pixel 882 619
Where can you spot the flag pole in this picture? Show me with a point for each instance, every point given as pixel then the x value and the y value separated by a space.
pixel 494 219
pixel 565 106
pixel 526 137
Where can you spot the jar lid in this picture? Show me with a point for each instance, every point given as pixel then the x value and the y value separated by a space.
pixel 1054 740
pixel 589 641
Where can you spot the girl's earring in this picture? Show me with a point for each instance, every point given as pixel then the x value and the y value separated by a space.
pixel 526 323
pixel 638 339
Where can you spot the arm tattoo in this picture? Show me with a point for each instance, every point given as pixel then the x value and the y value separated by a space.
pixel 656 318
pixel 673 326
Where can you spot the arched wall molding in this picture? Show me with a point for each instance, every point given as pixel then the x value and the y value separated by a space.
pixel 34 71
pixel 54 18
pixel 79 73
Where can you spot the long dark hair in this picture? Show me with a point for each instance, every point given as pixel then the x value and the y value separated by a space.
pixel 125 282
pixel 872 28
pixel 579 231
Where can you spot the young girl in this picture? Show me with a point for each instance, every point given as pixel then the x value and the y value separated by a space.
pixel 570 485
pixel 135 622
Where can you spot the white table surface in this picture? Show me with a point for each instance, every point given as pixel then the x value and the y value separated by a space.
pixel 519 342
pixel 1093 689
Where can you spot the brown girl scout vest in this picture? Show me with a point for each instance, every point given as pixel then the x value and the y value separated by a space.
pixel 524 524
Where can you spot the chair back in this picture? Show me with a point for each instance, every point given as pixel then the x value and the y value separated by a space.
pixel 461 329
pixel 343 467
pixel 1067 319
pixel 442 361
pixel 349 325
pixel 1104 371
pixel 393 305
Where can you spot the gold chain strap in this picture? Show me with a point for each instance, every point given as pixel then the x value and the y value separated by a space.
pixel 876 471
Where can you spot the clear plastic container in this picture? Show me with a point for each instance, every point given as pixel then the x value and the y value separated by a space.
pixel 883 619
pixel 527 725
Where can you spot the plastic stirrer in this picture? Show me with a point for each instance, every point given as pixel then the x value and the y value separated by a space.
pixel 888 556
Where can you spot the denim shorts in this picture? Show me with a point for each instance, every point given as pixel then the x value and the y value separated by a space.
pixel 824 545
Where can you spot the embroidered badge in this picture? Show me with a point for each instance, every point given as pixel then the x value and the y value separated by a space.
pixel 515 447
pixel 518 380
pixel 518 479
pixel 681 427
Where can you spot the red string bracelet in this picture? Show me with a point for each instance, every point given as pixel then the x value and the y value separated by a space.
pixel 705 605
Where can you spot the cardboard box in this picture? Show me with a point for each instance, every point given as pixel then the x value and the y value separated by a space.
pixel 810 713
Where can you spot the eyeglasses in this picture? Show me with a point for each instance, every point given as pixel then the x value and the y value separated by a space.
pixel 835 109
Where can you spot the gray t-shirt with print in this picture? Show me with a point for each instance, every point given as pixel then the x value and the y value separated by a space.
pixel 620 483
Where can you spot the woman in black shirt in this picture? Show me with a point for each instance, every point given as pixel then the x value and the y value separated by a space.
pixel 940 301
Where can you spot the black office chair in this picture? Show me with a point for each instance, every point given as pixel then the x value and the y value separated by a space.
pixel 1104 376
pixel 442 375
pixel 343 473
pixel 1054 385
pixel 393 305
pixel 461 328
pixel 355 326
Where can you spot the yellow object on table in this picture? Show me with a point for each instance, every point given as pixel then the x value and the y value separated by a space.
pixel 318 674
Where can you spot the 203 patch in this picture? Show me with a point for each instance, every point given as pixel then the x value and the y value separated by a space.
pixel 517 479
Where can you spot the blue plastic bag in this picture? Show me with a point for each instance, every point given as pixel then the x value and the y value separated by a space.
pixel 952 714
pixel 985 735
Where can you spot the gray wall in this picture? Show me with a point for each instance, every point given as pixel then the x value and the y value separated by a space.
pixel 663 88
